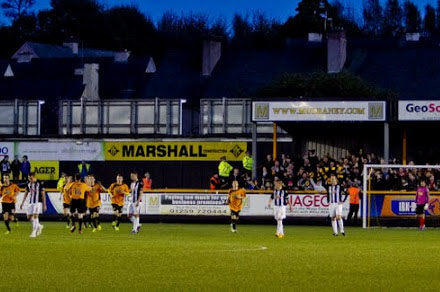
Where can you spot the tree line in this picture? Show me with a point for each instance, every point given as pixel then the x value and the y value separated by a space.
pixel 126 27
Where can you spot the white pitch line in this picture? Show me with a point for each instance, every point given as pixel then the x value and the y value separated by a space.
pixel 240 249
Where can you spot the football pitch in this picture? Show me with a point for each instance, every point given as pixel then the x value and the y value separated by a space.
pixel 210 258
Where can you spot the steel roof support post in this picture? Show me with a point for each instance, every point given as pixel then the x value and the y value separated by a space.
pixel 16 117
pixel 156 116
pixel 404 147
pixel 25 117
pixel 225 115
pixel 38 118
pixel 386 142
pixel 254 150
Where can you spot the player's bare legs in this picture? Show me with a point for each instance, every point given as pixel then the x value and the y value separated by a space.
pixel 67 217
pixel 7 218
pixel 341 224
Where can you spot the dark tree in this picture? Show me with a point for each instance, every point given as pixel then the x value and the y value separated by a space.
pixel 438 16
pixel 321 84
pixel 129 29
pixel 413 20
pixel 373 17
pixel 429 20
pixel 340 16
pixel 218 29
pixel 392 24
pixel 16 8
pixel 310 17
pixel 186 30
pixel 265 30
pixel 242 29
pixel 82 19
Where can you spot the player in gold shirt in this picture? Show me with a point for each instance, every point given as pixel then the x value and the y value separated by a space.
pixel 8 193
pixel 118 191
pixel 78 191
pixel 67 199
pixel 235 201
pixel 93 201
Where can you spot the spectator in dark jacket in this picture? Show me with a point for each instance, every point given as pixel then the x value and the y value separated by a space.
pixel 15 167
pixel 25 168
pixel 236 176
pixel 5 166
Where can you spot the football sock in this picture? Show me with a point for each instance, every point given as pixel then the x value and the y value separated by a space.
pixel 7 225
pixel 80 221
pixel 118 220
pixel 95 222
pixel 234 223
pixel 34 224
pixel 280 227
pixel 136 222
pixel 341 225
pixel 421 222
pixel 335 227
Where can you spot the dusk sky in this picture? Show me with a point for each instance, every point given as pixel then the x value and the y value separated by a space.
pixel 280 9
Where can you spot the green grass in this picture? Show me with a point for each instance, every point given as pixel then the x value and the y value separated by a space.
pixel 208 257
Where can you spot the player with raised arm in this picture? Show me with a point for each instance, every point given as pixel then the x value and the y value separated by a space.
pixel 280 198
pixel 422 202
pixel 133 208
pixel 67 200
pixel 78 191
pixel 37 203
pixel 8 193
pixel 235 202
pixel 118 191
pixel 93 201
pixel 336 198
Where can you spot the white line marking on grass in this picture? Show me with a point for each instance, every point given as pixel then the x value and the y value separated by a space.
pixel 240 249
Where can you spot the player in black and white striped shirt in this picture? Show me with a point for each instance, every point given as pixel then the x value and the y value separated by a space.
pixel 280 198
pixel 336 197
pixel 133 208
pixel 37 203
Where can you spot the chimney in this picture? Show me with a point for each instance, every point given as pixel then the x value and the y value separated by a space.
pixel 212 51
pixel 336 51
pixel 315 37
pixel 73 46
pixel 412 36
pixel 91 81
pixel 121 57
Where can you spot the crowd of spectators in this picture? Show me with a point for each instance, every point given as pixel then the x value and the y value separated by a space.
pixel 15 167
pixel 312 173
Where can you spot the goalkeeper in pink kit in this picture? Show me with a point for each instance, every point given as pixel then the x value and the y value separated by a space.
pixel 422 202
